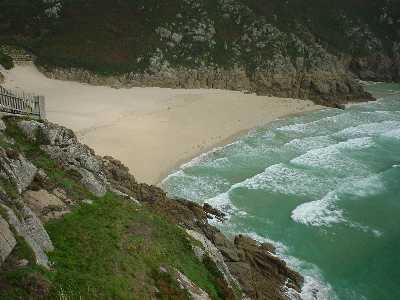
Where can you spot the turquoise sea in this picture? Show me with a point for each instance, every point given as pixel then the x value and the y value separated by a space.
pixel 323 187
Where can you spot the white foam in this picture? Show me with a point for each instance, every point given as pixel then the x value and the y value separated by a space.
pixel 194 188
pixel 327 125
pixel 299 127
pixel 315 286
pixel 208 156
pixel 222 202
pixel 310 143
pixel 370 129
pixel 375 232
pixel 284 179
pixel 393 134
pixel 385 114
pixel 321 212
pixel 332 158
pixel 363 187
pixel 279 246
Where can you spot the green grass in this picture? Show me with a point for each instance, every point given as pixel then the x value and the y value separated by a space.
pixel 111 249
pixel 9 188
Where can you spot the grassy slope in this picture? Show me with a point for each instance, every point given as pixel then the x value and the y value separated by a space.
pixel 112 249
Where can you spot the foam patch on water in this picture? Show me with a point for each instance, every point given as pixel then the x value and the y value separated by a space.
pixel 327 125
pixel 324 212
pixel 332 158
pixel 375 232
pixel 310 143
pixel 363 187
pixel 393 134
pixel 284 179
pixel 310 128
pixel 194 188
pixel 370 129
pixel 384 115
pixel 321 212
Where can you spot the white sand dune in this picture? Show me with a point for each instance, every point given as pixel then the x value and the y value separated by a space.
pixel 151 130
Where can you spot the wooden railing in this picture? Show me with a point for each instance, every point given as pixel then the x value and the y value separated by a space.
pixel 22 104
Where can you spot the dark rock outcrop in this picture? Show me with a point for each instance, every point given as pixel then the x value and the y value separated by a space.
pixel 254 266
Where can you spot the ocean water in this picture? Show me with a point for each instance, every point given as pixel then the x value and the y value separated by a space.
pixel 323 187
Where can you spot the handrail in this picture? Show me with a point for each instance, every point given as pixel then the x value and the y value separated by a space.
pixel 22 104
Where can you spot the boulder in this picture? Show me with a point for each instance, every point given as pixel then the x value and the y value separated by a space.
pixel 55 135
pixel 15 168
pixel 117 174
pixel 30 129
pixel 194 291
pixel 44 204
pixel 150 194
pixel 261 274
pixel 94 184
pixel 211 211
pixel 215 255
pixel 29 226
pixel 47 133
pixel 7 240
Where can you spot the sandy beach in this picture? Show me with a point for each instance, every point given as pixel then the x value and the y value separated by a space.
pixel 151 130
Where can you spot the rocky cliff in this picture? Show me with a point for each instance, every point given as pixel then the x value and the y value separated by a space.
pixel 283 48
pixel 77 225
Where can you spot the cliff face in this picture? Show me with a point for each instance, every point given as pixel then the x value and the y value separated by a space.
pixel 285 48
pixel 77 225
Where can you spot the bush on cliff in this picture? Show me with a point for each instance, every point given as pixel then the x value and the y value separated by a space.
pixel 6 61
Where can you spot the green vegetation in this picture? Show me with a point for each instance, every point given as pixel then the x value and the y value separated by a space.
pixel 6 61
pixel 111 249
pixel 9 188
pixel 118 37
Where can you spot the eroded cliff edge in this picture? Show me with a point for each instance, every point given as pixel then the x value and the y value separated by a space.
pixel 74 224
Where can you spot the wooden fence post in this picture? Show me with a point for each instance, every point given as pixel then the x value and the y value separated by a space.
pixel 22 104
pixel 42 108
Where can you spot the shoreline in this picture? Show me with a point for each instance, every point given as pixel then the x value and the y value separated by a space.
pixel 153 130
pixel 229 140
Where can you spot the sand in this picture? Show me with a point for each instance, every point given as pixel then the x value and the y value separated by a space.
pixel 152 130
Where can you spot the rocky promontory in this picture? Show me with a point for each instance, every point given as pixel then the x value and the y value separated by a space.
pixel 67 214
pixel 277 48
